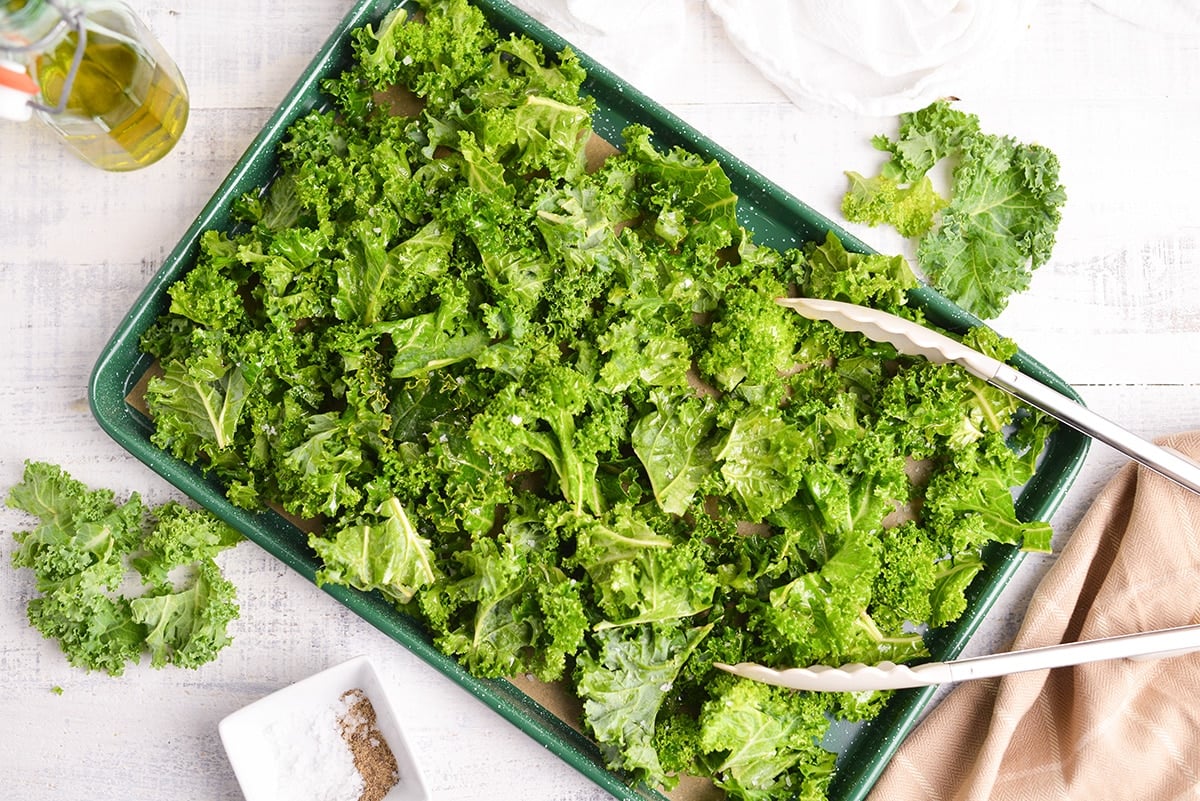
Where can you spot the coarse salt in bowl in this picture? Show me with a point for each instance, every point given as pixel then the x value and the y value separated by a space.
pixel 331 737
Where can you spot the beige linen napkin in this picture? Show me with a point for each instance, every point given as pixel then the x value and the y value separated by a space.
pixel 1108 730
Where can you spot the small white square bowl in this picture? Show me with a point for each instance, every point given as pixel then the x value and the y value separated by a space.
pixel 246 733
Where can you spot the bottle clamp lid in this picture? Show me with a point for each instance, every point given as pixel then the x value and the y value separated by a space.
pixel 17 89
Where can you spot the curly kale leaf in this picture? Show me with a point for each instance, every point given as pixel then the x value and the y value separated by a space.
pixel 674 445
pixel 510 608
pixel 999 227
pixel 926 137
pixel 376 280
pixel 188 627
pixel 208 295
pixel 690 195
pixel 555 415
pixel 323 474
pixel 753 343
pixel 763 742
pixel 823 615
pixel 971 499
pixel 434 340
pixel 79 527
pixel 762 460
pixel 910 209
pixel 434 59
pixel 639 576
pixel 94 629
pixel 180 536
pixel 999 224
pixel 390 556
pixel 200 405
pixel 623 686
pixel 866 279
pixel 643 354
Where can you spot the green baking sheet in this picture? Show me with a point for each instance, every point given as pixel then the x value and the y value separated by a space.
pixel 776 218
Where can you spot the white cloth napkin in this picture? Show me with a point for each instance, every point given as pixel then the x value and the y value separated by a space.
pixel 1163 16
pixel 872 57
pixel 869 57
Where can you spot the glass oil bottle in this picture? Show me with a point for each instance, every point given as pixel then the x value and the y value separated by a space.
pixel 105 83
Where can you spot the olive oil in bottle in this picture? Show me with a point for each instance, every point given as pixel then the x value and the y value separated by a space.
pixel 107 86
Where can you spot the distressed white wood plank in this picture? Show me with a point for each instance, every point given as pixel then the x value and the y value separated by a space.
pixel 95 217
pixel 242 55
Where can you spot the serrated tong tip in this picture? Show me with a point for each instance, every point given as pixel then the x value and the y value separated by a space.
pixel 857 677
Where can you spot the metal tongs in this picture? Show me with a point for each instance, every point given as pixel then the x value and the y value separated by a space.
pixel 890 676
pixel 916 340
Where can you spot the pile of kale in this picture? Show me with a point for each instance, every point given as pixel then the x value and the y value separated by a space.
pixel 553 410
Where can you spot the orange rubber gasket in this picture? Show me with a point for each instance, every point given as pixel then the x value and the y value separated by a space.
pixel 18 80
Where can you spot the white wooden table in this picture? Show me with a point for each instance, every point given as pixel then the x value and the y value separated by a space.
pixel 1116 313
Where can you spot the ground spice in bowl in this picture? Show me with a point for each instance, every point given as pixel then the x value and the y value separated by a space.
pixel 373 759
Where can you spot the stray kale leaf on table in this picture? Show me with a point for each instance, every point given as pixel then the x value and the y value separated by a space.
pixel 551 409
pixel 981 245
pixel 80 552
